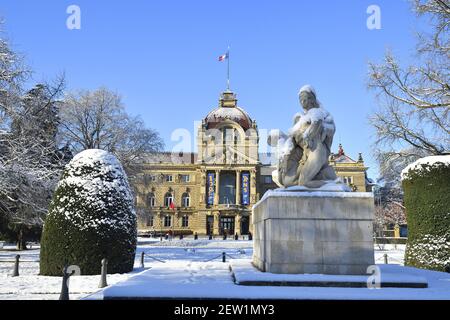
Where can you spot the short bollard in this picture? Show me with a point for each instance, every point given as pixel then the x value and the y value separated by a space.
pixel 16 266
pixel 196 236
pixel 386 259
pixel 447 268
pixel 103 282
pixel 65 284
pixel 224 257
pixel 236 237
pixel 210 236
pixel 142 259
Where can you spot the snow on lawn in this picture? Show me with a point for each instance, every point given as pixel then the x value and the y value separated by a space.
pixel 201 253
pixel 30 286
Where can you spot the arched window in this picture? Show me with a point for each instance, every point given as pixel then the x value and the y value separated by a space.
pixel 151 200
pixel 237 137
pixel 186 200
pixel 228 135
pixel 168 199
pixel 227 188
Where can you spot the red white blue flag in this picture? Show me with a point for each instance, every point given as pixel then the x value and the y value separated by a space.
pixel 223 57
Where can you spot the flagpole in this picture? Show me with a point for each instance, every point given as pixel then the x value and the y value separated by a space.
pixel 228 69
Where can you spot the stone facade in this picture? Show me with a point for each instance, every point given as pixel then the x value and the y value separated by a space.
pixel 314 232
pixel 227 144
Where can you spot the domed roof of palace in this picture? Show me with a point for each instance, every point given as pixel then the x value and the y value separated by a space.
pixel 228 110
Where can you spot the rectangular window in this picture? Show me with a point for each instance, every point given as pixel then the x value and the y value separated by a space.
pixel 268 180
pixel 185 178
pixel 169 178
pixel 348 180
pixel 150 221
pixel 152 202
pixel 167 221
pixel 185 221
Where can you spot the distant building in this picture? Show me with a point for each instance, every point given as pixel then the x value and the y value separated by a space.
pixel 213 191
pixel 352 172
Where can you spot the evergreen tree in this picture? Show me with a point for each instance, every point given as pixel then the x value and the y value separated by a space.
pixel 91 217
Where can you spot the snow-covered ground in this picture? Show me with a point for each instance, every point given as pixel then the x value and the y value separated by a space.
pixel 200 280
pixel 188 253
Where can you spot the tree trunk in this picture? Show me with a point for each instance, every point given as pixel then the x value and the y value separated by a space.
pixel 21 242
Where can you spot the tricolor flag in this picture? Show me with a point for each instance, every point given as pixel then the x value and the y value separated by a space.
pixel 172 205
pixel 223 57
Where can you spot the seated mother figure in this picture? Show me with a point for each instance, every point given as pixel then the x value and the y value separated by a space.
pixel 307 147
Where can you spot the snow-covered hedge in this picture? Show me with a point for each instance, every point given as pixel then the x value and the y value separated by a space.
pixel 424 165
pixel 426 184
pixel 91 217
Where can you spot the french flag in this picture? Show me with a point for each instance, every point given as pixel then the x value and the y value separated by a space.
pixel 223 57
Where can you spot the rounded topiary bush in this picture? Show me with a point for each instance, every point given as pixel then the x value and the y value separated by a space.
pixel 426 185
pixel 91 217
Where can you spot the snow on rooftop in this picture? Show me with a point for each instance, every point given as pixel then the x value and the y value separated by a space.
pixel 432 161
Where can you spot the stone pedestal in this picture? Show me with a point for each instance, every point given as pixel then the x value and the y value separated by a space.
pixel 313 232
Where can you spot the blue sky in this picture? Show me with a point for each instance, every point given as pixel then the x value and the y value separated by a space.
pixel 162 56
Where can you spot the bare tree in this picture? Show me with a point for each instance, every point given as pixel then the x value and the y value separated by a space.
pixel 30 162
pixel 390 214
pixel 414 119
pixel 97 119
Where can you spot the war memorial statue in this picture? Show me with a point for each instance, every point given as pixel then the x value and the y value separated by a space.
pixel 313 223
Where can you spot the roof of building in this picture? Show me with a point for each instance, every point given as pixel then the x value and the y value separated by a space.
pixel 341 157
pixel 170 157
pixel 228 110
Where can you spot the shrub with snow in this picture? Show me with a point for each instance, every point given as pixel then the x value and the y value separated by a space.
pixel 430 252
pixel 427 200
pixel 91 217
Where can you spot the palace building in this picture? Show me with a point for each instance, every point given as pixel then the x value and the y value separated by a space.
pixel 213 191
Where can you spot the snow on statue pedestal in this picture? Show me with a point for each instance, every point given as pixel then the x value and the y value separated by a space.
pixel 313 224
pixel 91 217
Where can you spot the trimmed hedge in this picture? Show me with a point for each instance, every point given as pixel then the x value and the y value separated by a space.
pixel 427 200
pixel 91 217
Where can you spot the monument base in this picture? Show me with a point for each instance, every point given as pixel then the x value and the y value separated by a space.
pixel 390 276
pixel 320 232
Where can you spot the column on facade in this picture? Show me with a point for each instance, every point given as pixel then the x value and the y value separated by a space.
pixel 203 184
pixel 253 186
pixel 238 187
pixel 237 224
pixel 216 192
pixel 216 223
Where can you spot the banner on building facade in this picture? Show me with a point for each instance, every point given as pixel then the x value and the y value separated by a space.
pixel 245 185
pixel 210 188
